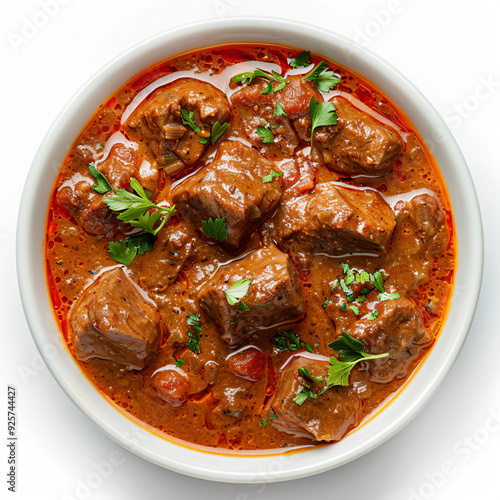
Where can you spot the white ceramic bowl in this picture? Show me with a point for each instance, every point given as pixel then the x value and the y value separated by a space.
pixel 31 232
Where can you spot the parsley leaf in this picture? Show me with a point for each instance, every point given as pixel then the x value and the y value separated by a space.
pixel 351 351
pixel 373 315
pixel 305 394
pixel 194 319
pixel 268 90
pixel 122 252
pixel 215 228
pixel 180 362
pixel 306 374
pixel 388 296
pixel 249 76
pixel 218 130
pixel 136 208
pixel 294 342
pixel 266 134
pixel 237 291
pixel 274 77
pixel 194 341
pixel 279 110
pixel 378 281
pixel 142 241
pixel 188 119
pixel 323 77
pixel 102 185
pixel 59 262
pixel 325 303
pixel 271 176
pixel 301 61
pixel 322 114
pixel 241 307
pixel 355 310
pixel 263 423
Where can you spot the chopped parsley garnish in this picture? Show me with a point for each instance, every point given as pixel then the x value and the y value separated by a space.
pixel 59 262
pixel 289 339
pixel 373 315
pixel 351 351
pixel 265 133
pixel 388 296
pixel 217 131
pixel 306 374
pixel 271 176
pixel 355 310
pixel 180 362
pixel 102 185
pixel 241 307
pixel 305 394
pixel 143 241
pixel 263 423
pixel 343 307
pixel 188 119
pixel 100 146
pixel 322 114
pixel 237 291
pixel 279 110
pixel 325 303
pixel 194 319
pixel 194 341
pixel 122 252
pixel 215 228
pixel 274 77
pixel 136 210
pixel 323 77
pixel 301 61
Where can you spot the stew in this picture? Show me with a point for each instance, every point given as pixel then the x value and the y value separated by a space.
pixel 249 248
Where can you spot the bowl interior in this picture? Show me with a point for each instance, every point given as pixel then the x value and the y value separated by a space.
pixel 30 260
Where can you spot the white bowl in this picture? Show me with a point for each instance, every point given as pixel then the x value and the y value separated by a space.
pixel 31 233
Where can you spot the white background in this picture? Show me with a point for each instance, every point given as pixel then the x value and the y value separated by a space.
pixel 449 49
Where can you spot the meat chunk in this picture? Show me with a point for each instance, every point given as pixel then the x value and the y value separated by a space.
pixel 398 330
pixel 421 235
pixel 254 109
pixel 159 119
pixel 158 269
pixel 274 295
pixel 325 418
pixel 231 186
pixel 112 320
pixel 77 197
pixel 336 220
pixel 357 144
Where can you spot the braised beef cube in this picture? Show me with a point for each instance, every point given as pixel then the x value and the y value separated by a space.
pixel 328 417
pixel 274 295
pixel 230 187
pixel 254 110
pixel 429 221
pixel 112 320
pixel 398 329
pixel 336 220
pixel 159 120
pixel 158 269
pixel 123 163
pixel 421 235
pixel 358 144
pixel 77 197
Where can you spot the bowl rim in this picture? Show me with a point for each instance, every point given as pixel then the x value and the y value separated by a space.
pixel 263 468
